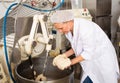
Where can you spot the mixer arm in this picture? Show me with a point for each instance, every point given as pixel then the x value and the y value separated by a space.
pixel 44 30
pixel 28 45
pixel 45 38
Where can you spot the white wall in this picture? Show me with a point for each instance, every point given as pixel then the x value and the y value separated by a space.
pixel 2 10
pixel 4 6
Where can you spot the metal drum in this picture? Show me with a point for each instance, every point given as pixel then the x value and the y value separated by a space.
pixel 54 75
pixel 77 73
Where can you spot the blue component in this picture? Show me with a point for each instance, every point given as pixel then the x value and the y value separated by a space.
pixel 54 32
pixel 4 38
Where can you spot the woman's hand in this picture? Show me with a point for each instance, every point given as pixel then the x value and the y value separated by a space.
pixel 62 62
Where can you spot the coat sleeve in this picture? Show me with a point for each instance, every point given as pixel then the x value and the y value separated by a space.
pixel 88 36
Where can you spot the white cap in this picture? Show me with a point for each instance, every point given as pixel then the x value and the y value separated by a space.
pixel 61 16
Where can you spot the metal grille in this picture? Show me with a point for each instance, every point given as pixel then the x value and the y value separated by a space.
pixel 22 11
pixel 9 28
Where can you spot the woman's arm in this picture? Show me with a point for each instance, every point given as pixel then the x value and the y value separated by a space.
pixel 69 52
pixel 77 59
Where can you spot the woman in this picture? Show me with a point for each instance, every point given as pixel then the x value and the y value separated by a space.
pixel 91 46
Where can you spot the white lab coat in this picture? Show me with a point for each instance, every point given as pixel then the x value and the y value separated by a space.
pixel 90 41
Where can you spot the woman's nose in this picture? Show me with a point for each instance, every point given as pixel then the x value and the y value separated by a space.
pixel 60 31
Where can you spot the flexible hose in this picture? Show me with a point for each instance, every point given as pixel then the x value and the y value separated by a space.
pixel 4 38
pixel 4 31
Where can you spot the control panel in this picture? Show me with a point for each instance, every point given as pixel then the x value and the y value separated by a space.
pixel 82 13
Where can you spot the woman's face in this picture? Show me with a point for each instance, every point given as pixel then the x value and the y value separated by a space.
pixel 64 27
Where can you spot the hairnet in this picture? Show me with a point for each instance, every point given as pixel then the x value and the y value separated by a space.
pixel 61 16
